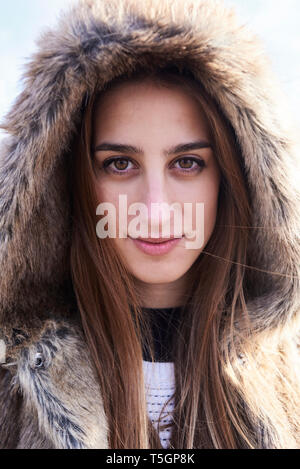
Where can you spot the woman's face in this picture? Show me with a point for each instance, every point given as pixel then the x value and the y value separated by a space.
pixel 155 120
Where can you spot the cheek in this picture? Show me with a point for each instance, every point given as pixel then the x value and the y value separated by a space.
pixel 208 195
pixel 211 209
pixel 105 194
pixel 108 191
pixel 210 215
pixel 105 191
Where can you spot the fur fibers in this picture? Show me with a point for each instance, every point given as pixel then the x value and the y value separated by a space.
pixel 42 384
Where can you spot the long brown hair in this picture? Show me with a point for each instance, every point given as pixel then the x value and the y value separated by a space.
pixel 219 403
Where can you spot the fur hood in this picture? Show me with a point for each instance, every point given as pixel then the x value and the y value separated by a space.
pixel 43 350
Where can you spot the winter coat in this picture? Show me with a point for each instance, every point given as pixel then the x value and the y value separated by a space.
pixel 49 393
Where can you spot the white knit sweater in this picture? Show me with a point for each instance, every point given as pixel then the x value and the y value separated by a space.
pixel 160 387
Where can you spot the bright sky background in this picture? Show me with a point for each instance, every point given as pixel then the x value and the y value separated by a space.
pixel 275 21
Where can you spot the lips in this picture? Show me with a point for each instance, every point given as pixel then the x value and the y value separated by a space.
pixel 156 246
pixel 157 240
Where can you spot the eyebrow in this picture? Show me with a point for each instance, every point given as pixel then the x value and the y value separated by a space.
pixel 180 148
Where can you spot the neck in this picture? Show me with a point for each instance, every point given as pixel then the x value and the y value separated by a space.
pixel 162 295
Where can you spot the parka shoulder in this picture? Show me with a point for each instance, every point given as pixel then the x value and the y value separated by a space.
pixel 49 394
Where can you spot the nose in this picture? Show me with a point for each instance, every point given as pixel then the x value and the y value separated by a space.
pixel 157 200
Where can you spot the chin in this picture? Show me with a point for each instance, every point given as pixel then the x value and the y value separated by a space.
pixel 156 280
pixel 155 277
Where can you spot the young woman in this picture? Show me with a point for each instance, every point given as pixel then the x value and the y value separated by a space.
pixel 113 337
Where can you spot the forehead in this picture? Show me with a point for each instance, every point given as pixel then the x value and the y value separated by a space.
pixel 146 105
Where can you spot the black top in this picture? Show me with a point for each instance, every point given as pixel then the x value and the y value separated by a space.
pixel 164 325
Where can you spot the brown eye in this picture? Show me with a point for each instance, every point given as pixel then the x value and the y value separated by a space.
pixel 189 165
pixel 121 164
pixel 186 163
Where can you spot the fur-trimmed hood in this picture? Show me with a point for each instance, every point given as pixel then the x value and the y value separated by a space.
pixel 94 42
